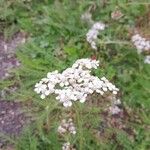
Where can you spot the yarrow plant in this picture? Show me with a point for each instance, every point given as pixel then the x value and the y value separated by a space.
pixel 93 33
pixel 142 44
pixel 73 84
pixel 96 27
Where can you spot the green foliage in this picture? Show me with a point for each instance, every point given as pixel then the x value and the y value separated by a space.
pixel 56 40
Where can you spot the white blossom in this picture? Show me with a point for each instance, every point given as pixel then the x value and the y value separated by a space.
pixel 75 83
pixel 93 33
pixel 66 126
pixel 142 44
pixel 147 59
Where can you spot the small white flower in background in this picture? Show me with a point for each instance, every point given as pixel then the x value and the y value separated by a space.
pixel 75 83
pixel 94 31
pixel 147 59
pixel 98 26
pixel 92 34
pixel 67 146
pixel 140 43
pixel 66 126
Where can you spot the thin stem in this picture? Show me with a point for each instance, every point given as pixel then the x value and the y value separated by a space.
pixel 115 42
pixel 78 112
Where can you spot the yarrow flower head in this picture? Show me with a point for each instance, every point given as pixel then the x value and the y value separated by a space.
pixel 140 43
pixel 92 34
pixel 75 83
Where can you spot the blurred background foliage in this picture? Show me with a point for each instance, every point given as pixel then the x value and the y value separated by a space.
pixel 56 38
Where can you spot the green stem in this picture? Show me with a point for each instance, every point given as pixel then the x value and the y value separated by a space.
pixel 78 112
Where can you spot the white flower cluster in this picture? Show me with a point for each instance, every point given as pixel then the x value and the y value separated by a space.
pixel 66 126
pixel 147 59
pixel 141 43
pixel 74 83
pixel 67 146
pixel 92 34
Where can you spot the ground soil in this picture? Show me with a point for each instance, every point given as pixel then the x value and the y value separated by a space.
pixel 12 118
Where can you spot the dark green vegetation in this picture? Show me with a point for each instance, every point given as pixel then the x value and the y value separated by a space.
pixel 56 38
